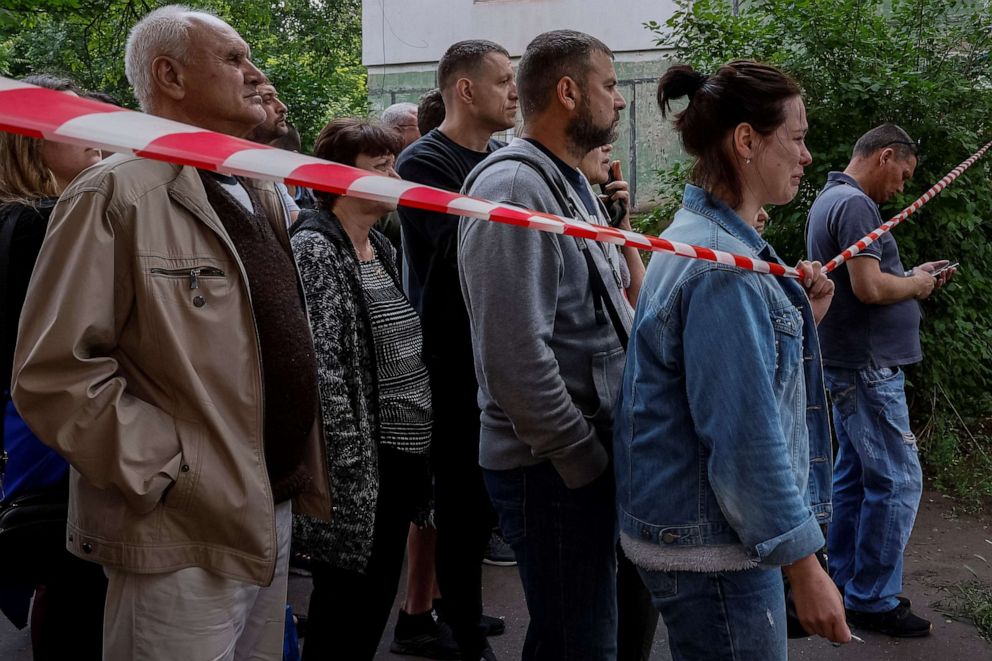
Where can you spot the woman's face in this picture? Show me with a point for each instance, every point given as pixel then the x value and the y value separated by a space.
pixel 381 165
pixel 781 157
pixel 66 161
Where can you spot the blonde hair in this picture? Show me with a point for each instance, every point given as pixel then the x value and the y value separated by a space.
pixel 24 177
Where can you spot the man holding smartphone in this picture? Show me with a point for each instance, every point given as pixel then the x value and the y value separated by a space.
pixel 870 332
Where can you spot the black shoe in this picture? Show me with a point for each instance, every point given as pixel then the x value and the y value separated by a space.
pixel 421 635
pixel 492 626
pixel 498 552
pixel 488 654
pixel 900 622
pixel 299 564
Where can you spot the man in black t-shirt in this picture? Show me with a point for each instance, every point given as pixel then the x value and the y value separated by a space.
pixel 870 332
pixel 480 97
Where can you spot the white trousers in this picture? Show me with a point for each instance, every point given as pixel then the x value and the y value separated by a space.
pixel 194 615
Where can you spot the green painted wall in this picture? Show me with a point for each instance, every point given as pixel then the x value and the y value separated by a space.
pixel 645 144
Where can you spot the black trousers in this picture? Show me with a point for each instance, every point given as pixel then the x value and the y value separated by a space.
pixel 349 610
pixel 465 517
pixel 67 614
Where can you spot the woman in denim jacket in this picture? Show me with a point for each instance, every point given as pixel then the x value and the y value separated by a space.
pixel 722 445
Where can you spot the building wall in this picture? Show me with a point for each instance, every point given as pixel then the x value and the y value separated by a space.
pixel 645 143
pixel 417 31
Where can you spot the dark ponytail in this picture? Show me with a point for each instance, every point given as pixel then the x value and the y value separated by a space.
pixel 740 91
pixel 680 80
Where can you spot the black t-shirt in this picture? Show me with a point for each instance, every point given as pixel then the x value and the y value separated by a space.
pixel 430 242
pixel 435 160
pixel 25 244
pixel 573 176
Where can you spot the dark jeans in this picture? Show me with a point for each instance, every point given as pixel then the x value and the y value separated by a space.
pixel 348 610
pixel 722 615
pixel 637 618
pixel 565 543
pixel 465 519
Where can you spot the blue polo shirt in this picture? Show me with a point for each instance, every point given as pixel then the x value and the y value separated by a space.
pixel 856 335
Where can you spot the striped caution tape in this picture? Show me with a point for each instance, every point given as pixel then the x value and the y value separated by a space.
pixel 874 235
pixel 59 117
pixel 44 113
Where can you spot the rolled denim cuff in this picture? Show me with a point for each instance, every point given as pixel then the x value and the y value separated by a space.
pixel 793 545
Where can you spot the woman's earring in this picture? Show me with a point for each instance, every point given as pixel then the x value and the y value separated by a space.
pixel 747 161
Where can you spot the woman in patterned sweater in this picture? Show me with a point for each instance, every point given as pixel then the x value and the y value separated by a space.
pixel 375 402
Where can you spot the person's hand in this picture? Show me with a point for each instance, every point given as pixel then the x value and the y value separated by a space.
pixel 818 286
pixel 818 603
pixel 619 190
pixel 924 279
pixel 944 277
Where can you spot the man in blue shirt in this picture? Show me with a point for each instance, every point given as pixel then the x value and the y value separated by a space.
pixel 871 330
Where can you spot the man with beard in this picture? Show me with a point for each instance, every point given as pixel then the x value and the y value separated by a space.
pixel 271 132
pixel 476 82
pixel 549 323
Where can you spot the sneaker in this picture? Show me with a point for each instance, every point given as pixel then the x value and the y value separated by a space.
pixel 421 635
pixel 492 626
pixel 900 622
pixel 499 552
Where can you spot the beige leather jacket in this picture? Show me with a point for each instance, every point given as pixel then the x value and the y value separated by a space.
pixel 138 361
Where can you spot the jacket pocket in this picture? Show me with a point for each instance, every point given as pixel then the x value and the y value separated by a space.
pixel 179 495
pixel 607 372
pixel 787 324
pixel 194 282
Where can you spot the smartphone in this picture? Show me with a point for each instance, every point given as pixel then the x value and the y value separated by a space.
pixel 944 268
pixel 617 209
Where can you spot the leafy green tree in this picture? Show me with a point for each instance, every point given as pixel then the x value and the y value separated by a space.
pixel 925 65
pixel 310 49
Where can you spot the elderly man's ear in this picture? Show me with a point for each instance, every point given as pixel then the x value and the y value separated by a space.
pixel 168 76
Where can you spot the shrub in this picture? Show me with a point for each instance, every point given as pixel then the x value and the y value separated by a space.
pixel 923 64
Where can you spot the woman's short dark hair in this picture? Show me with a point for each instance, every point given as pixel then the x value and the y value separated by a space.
pixel 740 91
pixel 343 139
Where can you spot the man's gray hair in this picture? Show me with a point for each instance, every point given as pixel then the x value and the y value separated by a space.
pixel 164 31
pixel 395 114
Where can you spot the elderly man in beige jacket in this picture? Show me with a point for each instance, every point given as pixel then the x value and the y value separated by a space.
pixel 164 351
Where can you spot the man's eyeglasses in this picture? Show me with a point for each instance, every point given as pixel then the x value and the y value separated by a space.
pixel 914 145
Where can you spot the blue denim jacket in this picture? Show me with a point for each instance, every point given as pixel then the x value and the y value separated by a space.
pixel 722 442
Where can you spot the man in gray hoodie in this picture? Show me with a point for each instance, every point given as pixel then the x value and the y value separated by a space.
pixel 549 319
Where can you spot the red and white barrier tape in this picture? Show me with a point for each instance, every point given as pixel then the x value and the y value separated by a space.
pixel 44 113
pixel 873 236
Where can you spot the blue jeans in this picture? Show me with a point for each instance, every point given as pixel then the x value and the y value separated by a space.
pixel 736 615
pixel 877 485
pixel 565 544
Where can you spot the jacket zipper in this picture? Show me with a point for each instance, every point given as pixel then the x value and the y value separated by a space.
pixel 193 274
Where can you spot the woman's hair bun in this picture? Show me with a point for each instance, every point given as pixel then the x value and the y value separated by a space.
pixel 680 80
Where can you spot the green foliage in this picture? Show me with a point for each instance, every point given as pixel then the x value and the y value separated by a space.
pixel 923 64
pixel 310 49
pixel 971 601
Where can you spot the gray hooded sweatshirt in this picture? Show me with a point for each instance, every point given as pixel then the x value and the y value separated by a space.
pixel 549 371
